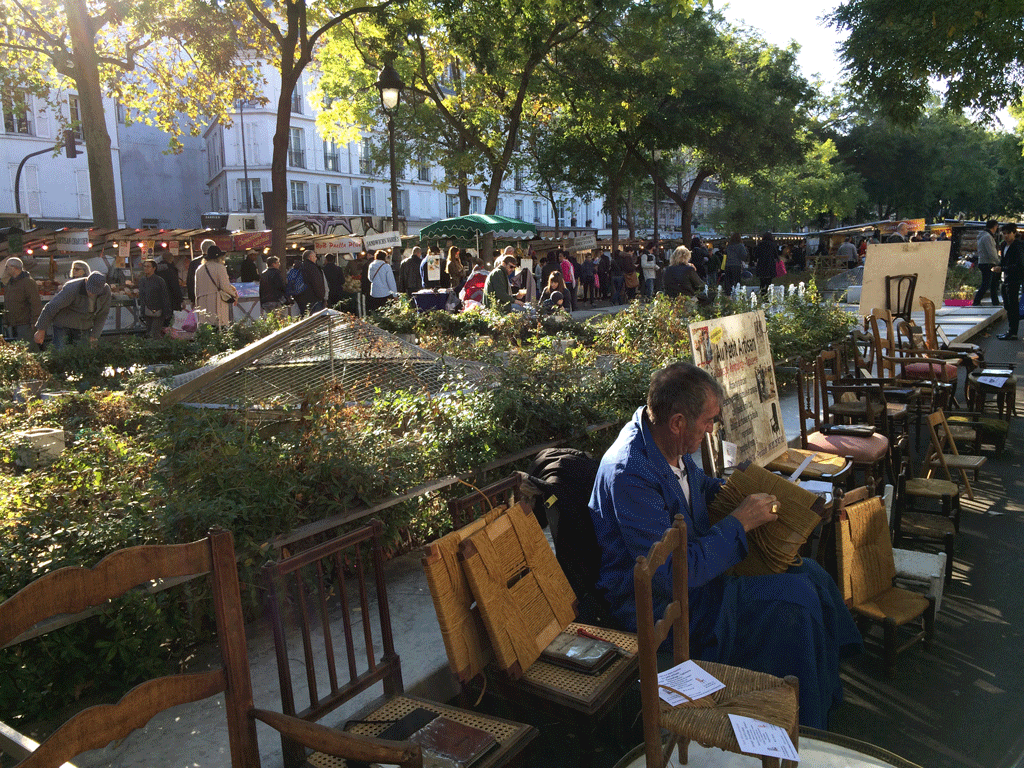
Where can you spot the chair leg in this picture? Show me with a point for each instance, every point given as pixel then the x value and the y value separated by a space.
pixel 949 544
pixel 889 646
pixel 929 622
pixel 794 733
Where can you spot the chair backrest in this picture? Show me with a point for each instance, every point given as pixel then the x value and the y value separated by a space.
pixel 808 399
pixel 880 325
pixel 931 337
pixel 462 629
pixel 651 633
pixel 866 564
pixel 73 590
pixel 942 442
pixel 899 294
pixel 829 369
pixel 465 509
pixel 862 348
pixel 313 592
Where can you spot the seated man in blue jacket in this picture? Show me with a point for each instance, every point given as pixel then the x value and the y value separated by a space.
pixel 783 624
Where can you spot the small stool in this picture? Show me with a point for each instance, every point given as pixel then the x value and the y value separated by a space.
pixel 1006 396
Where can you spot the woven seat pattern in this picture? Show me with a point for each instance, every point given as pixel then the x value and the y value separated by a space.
pixel 524 598
pixel 931 487
pixel 771 548
pixel 750 694
pixel 462 629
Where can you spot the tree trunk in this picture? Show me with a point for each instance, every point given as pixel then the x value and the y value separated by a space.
pixel 613 209
pixel 102 187
pixel 630 219
pixel 277 216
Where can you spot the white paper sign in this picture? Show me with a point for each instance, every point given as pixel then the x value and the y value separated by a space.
pixel 686 682
pixel 433 266
pixel 72 240
pixel 382 240
pixel 584 243
pixel 338 245
pixel 993 381
pixel 758 738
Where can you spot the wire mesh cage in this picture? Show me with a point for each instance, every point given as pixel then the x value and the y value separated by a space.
pixel 329 348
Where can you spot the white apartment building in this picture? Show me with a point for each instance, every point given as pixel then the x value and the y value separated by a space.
pixel 54 191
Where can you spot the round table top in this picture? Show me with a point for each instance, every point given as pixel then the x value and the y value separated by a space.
pixel 818 749
pixel 974 377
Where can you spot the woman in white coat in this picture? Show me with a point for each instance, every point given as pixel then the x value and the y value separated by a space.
pixel 213 287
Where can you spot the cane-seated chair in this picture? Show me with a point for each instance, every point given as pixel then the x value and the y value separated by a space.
pixel 971 356
pixel 327 590
pixel 74 590
pixel 579 698
pixel 752 694
pixel 866 573
pixel 913 525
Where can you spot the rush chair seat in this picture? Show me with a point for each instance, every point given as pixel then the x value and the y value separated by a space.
pixel 753 694
pixel 315 586
pixel 580 699
pixel 866 572
pixel 74 589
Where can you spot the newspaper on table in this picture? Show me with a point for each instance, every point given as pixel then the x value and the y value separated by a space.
pixel 735 351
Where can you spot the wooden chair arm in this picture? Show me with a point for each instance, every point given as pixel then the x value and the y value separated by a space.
pixel 350 746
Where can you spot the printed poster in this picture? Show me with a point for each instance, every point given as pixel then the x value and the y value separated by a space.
pixel 735 351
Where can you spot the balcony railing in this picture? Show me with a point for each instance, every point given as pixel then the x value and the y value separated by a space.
pixel 297 158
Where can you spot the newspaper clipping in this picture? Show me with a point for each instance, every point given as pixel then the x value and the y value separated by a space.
pixel 735 351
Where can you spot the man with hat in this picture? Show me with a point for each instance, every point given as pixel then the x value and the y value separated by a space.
pixel 21 301
pixel 80 307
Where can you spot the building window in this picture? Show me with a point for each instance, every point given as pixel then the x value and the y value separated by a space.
pixel 297 99
pixel 119 112
pixel 296 148
pixel 451 206
pixel 519 209
pixel 475 204
pixel 501 207
pixel 332 157
pixel 299 197
pixel 403 203
pixel 536 211
pixel 17 117
pixel 365 166
pixel 423 170
pixel 519 180
pixel 250 196
pixel 334 198
pixel 75 112
pixel 366 200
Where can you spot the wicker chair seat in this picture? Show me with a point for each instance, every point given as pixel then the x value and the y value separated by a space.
pixel 926 525
pixel 750 694
pixel 931 487
pixel 931 371
pixel 900 605
pixel 864 450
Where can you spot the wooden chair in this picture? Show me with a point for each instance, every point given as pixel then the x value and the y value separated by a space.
pixel 327 590
pixel 971 356
pixel 916 526
pixel 73 590
pixel 753 694
pixel 580 699
pixel 868 454
pixel 899 294
pixel 943 454
pixel 866 574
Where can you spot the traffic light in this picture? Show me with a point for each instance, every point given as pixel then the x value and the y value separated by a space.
pixel 70 148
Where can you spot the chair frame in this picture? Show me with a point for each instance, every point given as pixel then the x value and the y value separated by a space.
pixel 302 578
pixel 938 528
pixel 74 589
pixel 937 457
pixel 651 634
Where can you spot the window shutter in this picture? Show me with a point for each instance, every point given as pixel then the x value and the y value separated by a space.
pixel 84 194
pixel 32 190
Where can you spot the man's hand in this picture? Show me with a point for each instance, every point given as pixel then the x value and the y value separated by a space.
pixel 40 335
pixel 756 510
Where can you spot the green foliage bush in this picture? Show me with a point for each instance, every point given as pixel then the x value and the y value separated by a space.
pixel 135 474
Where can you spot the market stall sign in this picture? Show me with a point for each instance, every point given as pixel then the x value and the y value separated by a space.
pixel 382 240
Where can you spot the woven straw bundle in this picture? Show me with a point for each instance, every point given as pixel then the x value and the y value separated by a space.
pixel 773 547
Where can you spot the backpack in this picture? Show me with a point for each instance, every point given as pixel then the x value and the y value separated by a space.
pixel 296 284
pixel 562 480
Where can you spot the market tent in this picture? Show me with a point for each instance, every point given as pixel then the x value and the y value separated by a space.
pixel 476 224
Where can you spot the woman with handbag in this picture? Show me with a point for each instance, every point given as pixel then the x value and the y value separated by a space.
pixel 214 292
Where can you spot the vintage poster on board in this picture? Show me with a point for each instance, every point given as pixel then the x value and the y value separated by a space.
pixel 735 351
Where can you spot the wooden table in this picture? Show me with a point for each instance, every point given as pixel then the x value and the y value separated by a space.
pixel 1005 396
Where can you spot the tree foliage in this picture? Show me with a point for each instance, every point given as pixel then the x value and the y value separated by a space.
pixel 894 49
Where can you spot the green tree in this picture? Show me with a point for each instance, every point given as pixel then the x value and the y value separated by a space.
pixel 895 49
pixel 171 63
pixel 785 198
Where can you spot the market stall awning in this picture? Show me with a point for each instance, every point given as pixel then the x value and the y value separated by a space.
pixel 477 224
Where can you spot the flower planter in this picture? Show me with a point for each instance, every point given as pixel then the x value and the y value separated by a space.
pixel 957 302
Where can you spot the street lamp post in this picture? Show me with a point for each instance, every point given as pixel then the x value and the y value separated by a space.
pixel 390 86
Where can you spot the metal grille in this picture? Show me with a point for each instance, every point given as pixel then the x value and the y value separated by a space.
pixel 329 347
